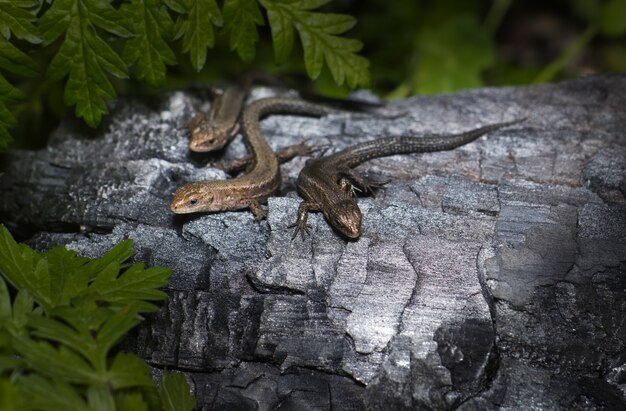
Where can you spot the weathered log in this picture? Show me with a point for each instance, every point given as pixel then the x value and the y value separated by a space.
pixel 490 276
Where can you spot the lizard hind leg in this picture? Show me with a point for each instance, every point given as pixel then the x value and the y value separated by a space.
pixel 347 187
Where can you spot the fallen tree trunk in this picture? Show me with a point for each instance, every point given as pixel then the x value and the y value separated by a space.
pixel 490 276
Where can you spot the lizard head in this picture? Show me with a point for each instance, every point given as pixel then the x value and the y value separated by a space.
pixel 346 218
pixel 194 198
pixel 208 136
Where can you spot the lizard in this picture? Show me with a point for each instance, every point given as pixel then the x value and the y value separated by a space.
pixel 327 184
pixel 262 177
pixel 213 131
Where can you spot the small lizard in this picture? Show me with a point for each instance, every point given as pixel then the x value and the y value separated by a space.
pixel 263 174
pixel 327 184
pixel 213 131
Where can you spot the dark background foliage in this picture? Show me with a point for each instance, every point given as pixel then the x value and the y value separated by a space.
pixel 413 47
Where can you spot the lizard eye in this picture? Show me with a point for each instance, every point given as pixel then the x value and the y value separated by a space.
pixel 193 201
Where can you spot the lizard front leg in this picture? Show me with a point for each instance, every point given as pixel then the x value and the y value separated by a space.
pixel 301 225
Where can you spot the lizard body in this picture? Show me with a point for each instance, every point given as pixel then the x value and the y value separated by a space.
pixel 327 184
pixel 262 177
pixel 212 131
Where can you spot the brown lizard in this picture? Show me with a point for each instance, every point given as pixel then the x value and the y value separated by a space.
pixel 327 184
pixel 263 174
pixel 211 132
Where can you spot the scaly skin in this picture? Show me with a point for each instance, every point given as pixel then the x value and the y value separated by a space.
pixel 263 174
pixel 213 131
pixel 326 184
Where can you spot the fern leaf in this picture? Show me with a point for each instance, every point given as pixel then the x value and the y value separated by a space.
pixel 320 41
pixel 15 19
pixel 84 57
pixel 15 61
pixel 241 18
pixel 148 49
pixel 196 30
pixel 8 93
pixel 175 394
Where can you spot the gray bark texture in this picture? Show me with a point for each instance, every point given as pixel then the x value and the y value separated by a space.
pixel 488 277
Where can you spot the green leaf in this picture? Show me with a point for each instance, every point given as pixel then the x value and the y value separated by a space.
pixel 117 254
pixel 51 395
pixel 102 15
pixel 8 363
pixel 78 338
pixel 115 328
pixel 29 4
pixel 61 363
pixel 241 18
pixel 15 61
pixel 85 314
pixel 318 34
pixel 11 261
pixel 84 57
pixel 56 20
pixel 8 94
pixel 100 398
pixel 174 392
pixel 14 19
pixel 22 308
pixel 196 29
pixel 9 396
pixel 15 262
pixel 282 33
pixel 39 284
pixel 107 275
pixel 452 56
pixel 5 301
pixel 65 13
pixel 134 285
pixel 63 267
pixel 149 50
pixel 179 6
pixel 130 402
pixel 66 350
pixel 612 20
pixel 128 371
pixel 13 322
